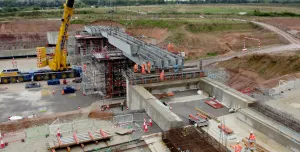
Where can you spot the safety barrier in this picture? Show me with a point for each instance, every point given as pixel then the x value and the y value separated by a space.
pixel 36 132
pixel 284 86
pixel 14 136
pixel 121 119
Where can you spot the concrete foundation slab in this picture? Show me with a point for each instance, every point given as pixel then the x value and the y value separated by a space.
pixel 281 134
pixel 240 131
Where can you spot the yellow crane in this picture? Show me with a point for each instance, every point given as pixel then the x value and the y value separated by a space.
pixel 58 61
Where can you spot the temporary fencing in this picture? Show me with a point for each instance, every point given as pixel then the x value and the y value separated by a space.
pixel 121 119
pixel 284 86
pixel 14 136
pixel 36 132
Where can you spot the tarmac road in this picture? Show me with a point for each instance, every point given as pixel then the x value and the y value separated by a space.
pixel 18 101
pixel 293 46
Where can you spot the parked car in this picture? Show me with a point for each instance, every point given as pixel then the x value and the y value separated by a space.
pixel 69 89
pixel 53 82
pixel 32 85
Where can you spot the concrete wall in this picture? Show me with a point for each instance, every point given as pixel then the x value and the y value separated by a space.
pixel 228 96
pixel 277 132
pixel 139 98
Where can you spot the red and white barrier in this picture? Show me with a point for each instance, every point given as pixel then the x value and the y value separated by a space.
pixel 250 38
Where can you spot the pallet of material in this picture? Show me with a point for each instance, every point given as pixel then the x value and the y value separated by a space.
pixel 225 129
pixel 78 139
pixel 214 104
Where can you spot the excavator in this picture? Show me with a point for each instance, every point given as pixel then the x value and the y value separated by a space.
pixel 59 68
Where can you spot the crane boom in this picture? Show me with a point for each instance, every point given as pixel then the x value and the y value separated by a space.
pixel 58 62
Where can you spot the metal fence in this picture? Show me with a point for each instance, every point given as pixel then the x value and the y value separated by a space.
pixel 284 86
pixel 217 74
pixel 14 136
pixel 36 132
pixel 121 119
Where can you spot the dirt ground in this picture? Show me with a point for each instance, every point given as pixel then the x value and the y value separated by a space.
pixel 195 45
pixel 198 45
pixel 291 23
pixel 36 30
pixel 250 71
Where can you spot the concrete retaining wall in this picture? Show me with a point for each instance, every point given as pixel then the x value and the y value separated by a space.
pixel 139 98
pixel 228 96
pixel 277 132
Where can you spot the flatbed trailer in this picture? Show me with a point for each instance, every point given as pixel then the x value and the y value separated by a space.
pixel 14 76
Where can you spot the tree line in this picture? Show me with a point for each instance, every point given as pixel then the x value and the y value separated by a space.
pixel 101 3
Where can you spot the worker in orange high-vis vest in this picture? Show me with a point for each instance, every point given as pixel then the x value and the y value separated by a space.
pixel 252 140
pixel 162 75
pixel 237 147
pixel 252 136
pixel 143 68
pixel 149 67
pixel 135 68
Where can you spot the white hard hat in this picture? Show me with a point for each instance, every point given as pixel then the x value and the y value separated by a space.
pixel 251 132
pixel 237 141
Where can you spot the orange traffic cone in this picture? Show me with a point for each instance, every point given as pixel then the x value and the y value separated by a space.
pixel 62 92
pixel 150 122
pixel 146 129
pixel 53 92
pixel 58 133
pixel 2 145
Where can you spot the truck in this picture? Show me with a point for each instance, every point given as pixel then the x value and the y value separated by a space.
pixel 15 75
pixel 200 121
pixel 57 61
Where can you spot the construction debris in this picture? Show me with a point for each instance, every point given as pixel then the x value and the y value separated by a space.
pixel 124 131
pixel 225 129
pixel 207 115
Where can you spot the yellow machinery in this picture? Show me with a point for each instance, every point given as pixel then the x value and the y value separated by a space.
pixel 58 61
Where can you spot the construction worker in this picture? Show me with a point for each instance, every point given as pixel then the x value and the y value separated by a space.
pixel 251 140
pixel 176 67
pixel 143 68
pixel 149 67
pixel 162 75
pixel 237 147
pixel 252 136
pixel 135 68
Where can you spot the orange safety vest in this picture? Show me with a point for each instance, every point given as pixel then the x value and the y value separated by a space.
pixel 143 69
pixel 135 68
pixel 162 75
pixel 252 137
pixel 238 148
pixel 149 66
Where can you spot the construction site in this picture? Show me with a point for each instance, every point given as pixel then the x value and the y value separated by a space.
pixel 125 92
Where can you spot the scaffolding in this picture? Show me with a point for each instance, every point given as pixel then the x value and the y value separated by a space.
pixel 102 64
